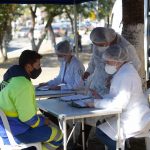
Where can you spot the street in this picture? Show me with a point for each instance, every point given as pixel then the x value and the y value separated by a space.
pixel 16 46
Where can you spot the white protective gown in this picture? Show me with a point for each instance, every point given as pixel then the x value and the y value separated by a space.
pixel 69 76
pixel 126 93
pixel 98 77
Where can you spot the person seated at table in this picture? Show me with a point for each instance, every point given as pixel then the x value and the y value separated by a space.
pixel 125 93
pixel 17 100
pixel 71 70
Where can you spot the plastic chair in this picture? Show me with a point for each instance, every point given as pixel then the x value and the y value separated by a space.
pixel 13 145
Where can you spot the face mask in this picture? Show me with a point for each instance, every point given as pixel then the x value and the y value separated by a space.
pixel 61 59
pixel 110 69
pixel 35 73
pixel 101 49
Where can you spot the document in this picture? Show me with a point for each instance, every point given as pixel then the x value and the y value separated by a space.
pixel 75 97
pixel 80 103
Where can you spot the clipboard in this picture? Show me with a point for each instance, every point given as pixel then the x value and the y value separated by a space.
pixel 76 97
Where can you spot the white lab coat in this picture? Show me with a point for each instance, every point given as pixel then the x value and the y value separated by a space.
pixel 96 66
pixel 126 93
pixel 71 78
pixel 98 75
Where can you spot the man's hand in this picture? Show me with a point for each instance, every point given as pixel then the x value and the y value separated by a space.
pixel 85 75
pixel 55 88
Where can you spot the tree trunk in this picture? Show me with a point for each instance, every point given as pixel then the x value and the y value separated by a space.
pixel 71 20
pixel 33 16
pixel 3 49
pixel 43 35
pixel 3 59
pixel 133 29
pixel 52 36
pixel 51 32
pixel 72 24
pixel 41 40
pixel 108 23
pixel 5 46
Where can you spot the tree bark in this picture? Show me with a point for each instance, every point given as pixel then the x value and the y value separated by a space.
pixel 33 16
pixel 133 29
pixel 3 48
pixel 71 20
pixel 51 32
pixel 52 36
pixel 3 59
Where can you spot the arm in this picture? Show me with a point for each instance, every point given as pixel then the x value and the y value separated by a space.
pixel 56 81
pixel 51 83
pixel 91 65
pixel 90 69
pixel 77 82
pixel 119 95
pixel 26 107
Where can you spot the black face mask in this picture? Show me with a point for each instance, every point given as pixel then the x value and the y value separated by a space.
pixel 35 73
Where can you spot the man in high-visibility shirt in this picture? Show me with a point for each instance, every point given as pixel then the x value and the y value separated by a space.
pixel 17 100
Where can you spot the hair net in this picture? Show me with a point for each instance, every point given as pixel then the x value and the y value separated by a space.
pixel 116 53
pixel 102 34
pixel 63 47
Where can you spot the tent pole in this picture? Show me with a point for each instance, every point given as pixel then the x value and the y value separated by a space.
pixel 75 27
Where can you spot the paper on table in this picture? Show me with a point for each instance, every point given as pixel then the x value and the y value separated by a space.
pixel 75 97
pixel 80 103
